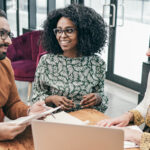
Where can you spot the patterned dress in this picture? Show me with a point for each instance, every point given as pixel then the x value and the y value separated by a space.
pixel 70 77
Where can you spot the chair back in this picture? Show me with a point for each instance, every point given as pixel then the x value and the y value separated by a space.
pixel 23 54
pixel 25 46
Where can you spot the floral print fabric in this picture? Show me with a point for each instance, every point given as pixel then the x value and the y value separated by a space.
pixel 70 77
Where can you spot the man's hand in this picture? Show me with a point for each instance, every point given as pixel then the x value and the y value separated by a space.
pixel 38 107
pixel 9 131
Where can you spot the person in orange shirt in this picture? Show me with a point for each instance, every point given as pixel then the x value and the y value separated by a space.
pixel 10 103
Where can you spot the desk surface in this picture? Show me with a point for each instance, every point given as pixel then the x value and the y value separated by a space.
pixel 24 141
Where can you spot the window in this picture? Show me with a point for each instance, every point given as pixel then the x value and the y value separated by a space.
pixel 11 8
pixel 23 15
pixel 41 8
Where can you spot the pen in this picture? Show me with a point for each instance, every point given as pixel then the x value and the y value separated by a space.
pixel 47 108
pixel 53 115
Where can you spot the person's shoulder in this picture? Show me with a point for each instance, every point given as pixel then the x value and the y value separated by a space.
pixel 44 56
pixel 47 56
pixel 7 61
pixel 96 58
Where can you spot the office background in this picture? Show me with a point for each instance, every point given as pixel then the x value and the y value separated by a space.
pixel 128 31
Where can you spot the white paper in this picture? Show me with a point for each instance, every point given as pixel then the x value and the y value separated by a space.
pixel 128 144
pixel 63 117
pixel 135 127
pixel 28 119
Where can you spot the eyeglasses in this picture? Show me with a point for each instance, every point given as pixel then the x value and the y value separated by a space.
pixel 67 31
pixel 4 34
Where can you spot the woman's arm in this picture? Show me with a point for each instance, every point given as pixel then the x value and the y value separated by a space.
pixel 40 89
pixel 99 89
pixel 120 121
pixel 96 99
pixel 142 108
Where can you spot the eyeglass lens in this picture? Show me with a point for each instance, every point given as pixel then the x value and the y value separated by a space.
pixel 67 31
pixel 4 34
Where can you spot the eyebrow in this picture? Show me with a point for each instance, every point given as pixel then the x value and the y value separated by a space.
pixel 2 29
pixel 66 27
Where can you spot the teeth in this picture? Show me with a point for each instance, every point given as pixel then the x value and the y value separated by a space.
pixel 64 42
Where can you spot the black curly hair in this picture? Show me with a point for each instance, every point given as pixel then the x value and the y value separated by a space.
pixel 92 30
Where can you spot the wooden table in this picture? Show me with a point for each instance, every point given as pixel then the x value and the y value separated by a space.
pixel 24 141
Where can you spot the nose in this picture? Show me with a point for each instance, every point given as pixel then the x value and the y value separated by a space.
pixel 63 34
pixel 8 40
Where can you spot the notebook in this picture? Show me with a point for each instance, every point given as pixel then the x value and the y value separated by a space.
pixel 28 119
pixel 63 117
pixel 61 136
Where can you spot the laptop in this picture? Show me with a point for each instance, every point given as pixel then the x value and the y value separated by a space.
pixel 60 136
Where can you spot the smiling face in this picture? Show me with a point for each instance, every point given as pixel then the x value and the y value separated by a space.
pixel 4 43
pixel 66 35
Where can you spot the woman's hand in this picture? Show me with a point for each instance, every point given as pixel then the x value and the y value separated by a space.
pixel 60 101
pixel 9 131
pixel 89 100
pixel 121 121
pixel 132 135
pixel 38 107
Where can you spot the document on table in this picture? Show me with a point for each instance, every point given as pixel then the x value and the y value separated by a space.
pixel 128 144
pixel 63 117
pixel 28 119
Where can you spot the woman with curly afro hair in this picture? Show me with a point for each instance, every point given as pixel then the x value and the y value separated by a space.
pixel 71 74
